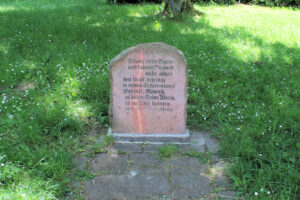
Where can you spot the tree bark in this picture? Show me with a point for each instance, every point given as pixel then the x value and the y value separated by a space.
pixel 180 6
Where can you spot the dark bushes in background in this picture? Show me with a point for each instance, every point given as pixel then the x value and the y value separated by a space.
pixel 277 2
pixel 295 3
pixel 135 1
pixel 222 2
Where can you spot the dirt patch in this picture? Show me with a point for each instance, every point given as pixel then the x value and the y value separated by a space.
pixel 25 86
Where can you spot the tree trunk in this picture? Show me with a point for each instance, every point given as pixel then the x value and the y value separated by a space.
pixel 181 6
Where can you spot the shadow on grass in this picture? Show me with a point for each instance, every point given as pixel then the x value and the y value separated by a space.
pixel 65 52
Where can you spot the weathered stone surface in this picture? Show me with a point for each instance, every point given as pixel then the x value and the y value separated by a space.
pixel 126 147
pixel 106 187
pixel 192 147
pixel 109 164
pixel 80 162
pixel 182 164
pixel 147 186
pixel 147 164
pixel 190 178
pixel 188 185
pixel 221 181
pixel 150 148
pixel 212 145
pixel 197 142
pixel 148 90
pixel 227 195
pixel 198 138
pixel 140 175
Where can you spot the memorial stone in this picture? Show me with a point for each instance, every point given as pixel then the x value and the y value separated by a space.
pixel 149 93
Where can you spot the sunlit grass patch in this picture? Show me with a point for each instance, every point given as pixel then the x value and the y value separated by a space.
pixel 54 84
pixel 4 48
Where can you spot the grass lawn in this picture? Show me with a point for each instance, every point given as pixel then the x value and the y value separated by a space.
pixel 244 87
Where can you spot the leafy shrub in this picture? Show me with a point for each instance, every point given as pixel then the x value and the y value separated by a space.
pixel 221 2
pixel 277 2
pixel 134 1
pixel 258 2
pixel 168 151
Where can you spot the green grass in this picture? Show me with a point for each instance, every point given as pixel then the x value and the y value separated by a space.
pixel 244 86
pixel 168 151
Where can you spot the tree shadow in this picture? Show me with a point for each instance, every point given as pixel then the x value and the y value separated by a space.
pixel 65 52
pixel 47 37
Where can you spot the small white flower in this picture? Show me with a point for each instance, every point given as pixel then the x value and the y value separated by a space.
pixel 280 126
pixel 2 164
pixel 256 193
pixel 261 189
pixel 260 155
pixel 268 192
pixel 23 195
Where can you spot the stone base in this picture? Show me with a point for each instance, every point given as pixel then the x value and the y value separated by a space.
pixel 150 138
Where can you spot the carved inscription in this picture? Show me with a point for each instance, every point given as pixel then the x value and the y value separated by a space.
pixel 148 85
pixel 149 88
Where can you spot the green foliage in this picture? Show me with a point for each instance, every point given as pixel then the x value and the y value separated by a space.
pixel 244 84
pixel 221 2
pixel 295 3
pixel 134 1
pixel 86 175
pixel 171 150
pixel 276 2
pixel 201 156
pixel 108 140
pixel 168 151
pixel 17 183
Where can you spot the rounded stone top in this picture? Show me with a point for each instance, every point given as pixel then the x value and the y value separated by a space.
pixel 154 45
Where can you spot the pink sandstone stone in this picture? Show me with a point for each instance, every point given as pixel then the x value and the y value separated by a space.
pixel 149 90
